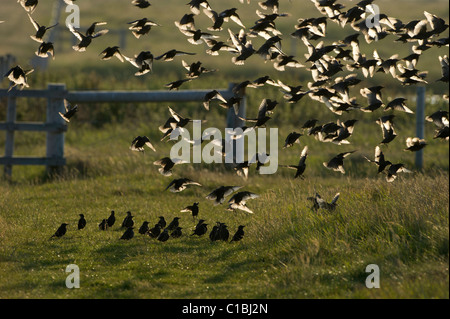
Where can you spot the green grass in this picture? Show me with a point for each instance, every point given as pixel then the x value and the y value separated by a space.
pixel 289 251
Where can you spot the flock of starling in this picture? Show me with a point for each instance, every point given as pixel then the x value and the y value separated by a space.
pixel 161 231
pixel 329 87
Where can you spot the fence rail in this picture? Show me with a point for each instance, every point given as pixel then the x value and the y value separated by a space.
pixel 55 126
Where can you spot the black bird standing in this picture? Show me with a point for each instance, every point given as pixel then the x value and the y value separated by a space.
pixel 61 231
pixel 81 222
pixel 103 225
pixel 128 221
pixel 111 219
pixel 223 233
pixel 173 224
pixel 144 228
pixel 239 234
pixel 155 231
pixel 164 236
pixel 128 234
pixel 200 229
pixel 162 222
pixel 176 233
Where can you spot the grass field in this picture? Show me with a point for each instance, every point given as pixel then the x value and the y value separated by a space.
pixel 289 251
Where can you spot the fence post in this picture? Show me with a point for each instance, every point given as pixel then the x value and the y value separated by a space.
pixel 55 139
pixel 420 123
pixel 11 115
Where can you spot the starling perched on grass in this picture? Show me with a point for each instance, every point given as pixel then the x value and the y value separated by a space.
pixel 164 236
pixel 111 219
pixel 81 222
pixel 162 222
pixel 200 229
pixel 223 233
pixel 128 234
pixel 144 228
pixel 239 234
pixel 86 39
pixel 173 224
pixel 128 221
pixel 214 234
pixel 176 233
pixel 18 77
pixel 61 231
pixel 103 225
pixel 155 231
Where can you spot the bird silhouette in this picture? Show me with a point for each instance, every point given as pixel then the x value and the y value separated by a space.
pixel 70 111
pixel 180 184
pixel 218 195
pixel 40 30
pixel 164 236
pixel 141 3
pixel 394 170
pixel 139 142
pixel 239 200
pixel 128 221
pixel 337 163
pixel 379 160
pixel 103 224
pixel 128 234
pixel 415 144
pixel 110 52
pixel 81 222
pixel 86 39
pixel 200 229
pixel 174 223
pixel 61 231
pixel 239 234
pixel 144 228
pixel 301 166
pixel 18 77
pixel 177 232
pixel 111 219
pixel 193 209
pixel 155 231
